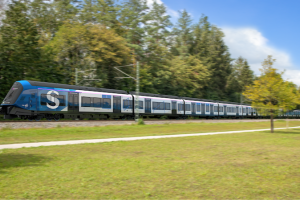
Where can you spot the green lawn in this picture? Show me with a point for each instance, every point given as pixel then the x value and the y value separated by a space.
pixel 9 136
pixel 257 165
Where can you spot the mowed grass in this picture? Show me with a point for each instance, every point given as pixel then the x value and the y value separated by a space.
pixel 257 165
pixel 10 136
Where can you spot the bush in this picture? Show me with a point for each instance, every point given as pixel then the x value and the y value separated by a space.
pixel 141 122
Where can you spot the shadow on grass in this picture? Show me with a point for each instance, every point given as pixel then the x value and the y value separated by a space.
pixel 13 160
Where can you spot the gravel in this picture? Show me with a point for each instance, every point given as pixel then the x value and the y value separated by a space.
pixel 46 124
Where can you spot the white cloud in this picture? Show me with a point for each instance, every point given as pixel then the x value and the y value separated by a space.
pixel 252 45
pixel 170 12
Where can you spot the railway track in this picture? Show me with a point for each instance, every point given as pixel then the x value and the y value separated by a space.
pixel 92 123
pixel 145 120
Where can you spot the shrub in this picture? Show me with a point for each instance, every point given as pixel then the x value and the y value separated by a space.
pixel 141 122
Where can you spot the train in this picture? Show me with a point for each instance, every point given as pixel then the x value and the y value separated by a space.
pixel 34 100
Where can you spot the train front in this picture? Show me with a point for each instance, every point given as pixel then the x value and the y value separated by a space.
pixel 11 106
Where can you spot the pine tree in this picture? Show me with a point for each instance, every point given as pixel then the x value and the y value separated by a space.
pixel 157 45
pixel 104 12
pixel 209 47
pixel 240 77
pixel 183 37
pixel 133 17
pixel 19 55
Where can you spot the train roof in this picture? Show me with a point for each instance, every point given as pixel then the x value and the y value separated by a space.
pixel 155 95
pixel 196 99
pixel 75 87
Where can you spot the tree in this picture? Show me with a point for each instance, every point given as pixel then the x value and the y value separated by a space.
pixel 271 93
pixel 20 54
pixel 240 77
pixel 103 12
pixel 156 56
pixel 3 7
pixel 89 46
pixel 185 77
pixel 133 17
pixel 182 31
pixel 208 46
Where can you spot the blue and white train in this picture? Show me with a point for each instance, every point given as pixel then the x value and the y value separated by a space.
pixel 35 100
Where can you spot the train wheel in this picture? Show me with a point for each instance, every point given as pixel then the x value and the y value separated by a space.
pixel 38 118
pixel 49 117
pixel 56 117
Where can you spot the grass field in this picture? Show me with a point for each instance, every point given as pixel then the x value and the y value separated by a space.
pixel 9 136
pixel 257 165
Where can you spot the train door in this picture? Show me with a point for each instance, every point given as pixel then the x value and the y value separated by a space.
pixel 147 105
pixel 117 104
pixel 211 109
pixel 193 108
pixel 32 101
pixel 225 111
pixel 73 102
pixel 174 107
pixel 203 108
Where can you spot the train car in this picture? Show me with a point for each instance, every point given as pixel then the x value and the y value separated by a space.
pixel 37 100
pixel 157 105
pixel 201 108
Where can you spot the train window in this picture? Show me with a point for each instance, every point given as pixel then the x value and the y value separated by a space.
pixel 158 105
pixel 187 107
pixel 61 99
pixel 106 103
pixel 97 102
pixel 43 99
pixel 154 105
pixel 207 108
pixel 167 106
pixel 161 106
pixel 33 95
pixel 141 104
pixel 127 104
pixel 215 108
pixel 85 101
pixel 198 108
pixel 180 107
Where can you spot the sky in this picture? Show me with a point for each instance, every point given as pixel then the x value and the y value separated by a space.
pixel 253 29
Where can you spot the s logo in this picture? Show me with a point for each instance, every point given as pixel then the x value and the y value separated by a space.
pixel 52 99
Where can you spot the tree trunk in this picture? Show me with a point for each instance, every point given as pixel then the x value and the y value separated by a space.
pixel 272 122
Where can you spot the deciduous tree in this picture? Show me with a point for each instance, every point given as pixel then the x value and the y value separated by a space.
pixel 89 46
pixel 271 93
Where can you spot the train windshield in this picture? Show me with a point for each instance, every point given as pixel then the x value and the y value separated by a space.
pixel 13 93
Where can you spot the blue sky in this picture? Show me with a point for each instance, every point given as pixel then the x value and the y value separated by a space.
pixel 253 29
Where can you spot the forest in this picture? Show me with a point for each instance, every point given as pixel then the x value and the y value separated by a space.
pixel 49 40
